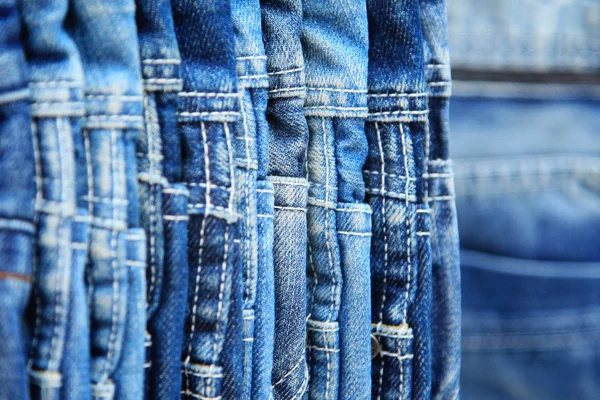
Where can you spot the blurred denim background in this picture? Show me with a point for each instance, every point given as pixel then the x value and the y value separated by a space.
pixel 525 122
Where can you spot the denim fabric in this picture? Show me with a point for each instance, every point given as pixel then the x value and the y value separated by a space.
pixel 129 375
pixel 288 138
pixel 262 355
pixel 208 108
pixel 17 195
pixel 251 147
pixel 335 46
pixel 106 37
pixel 525 145
pixel 167 281
pixel 439 192
pixel 75 367
pixel 528 214
pixel 56 83
pixel 400 261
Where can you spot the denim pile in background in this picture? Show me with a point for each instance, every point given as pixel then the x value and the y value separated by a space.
pixel 526 144
pixel 226 199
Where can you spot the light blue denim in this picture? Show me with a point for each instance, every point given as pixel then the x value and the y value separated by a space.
pixel 526 147
pixel 288 140
pixel 251 147
pixel 56 83
pixel 17 211
pixel 335 47
pixel 106 36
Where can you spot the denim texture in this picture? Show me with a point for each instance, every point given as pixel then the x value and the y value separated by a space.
pixel 56 94
pixel 208 107
pixel 251 148
pixel 539 330
pixel 526 163
pixel 17 205
pixel 227 199
pixel 288 140
pixel 394 174
pixel 106 36
pixel 439 193
pixel 166 271
pixel 335 47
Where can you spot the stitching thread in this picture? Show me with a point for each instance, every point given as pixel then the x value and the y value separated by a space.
pixel 385 247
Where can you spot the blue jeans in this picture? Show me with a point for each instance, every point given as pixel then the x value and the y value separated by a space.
pixel 339 223
pixel 106 38
pixel 288 139
pixel 57 108
pixel 208 107
pixel 17 194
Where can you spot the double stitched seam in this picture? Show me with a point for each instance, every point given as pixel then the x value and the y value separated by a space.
pixel 113 244
pixel 408 243
pixel 385 248
pixel 90 183
pixel 245 246
pixel 58 309
pixel 327 246
pixel 152 221
pixel 200 253
pixel 38 205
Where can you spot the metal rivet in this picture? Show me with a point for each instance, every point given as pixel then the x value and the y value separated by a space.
pixel 375 347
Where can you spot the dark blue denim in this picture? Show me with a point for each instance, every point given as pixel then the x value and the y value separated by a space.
pixel 106 36
pixel 166 272
pixel 208 108
pixel 56 83
pixel 288 139
pixel 335 46
pixel 394 174
pixel 17 196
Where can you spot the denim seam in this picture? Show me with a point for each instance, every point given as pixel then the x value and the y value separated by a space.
pixel 222 286
pixel 15 95
pixel 261 76
pixel 246 190
pixel 288 71
pixel 351 233
pixel 208 113
pixel 161 61
pixel 333 89
pixel 176 192
pixel 395 95
pixel 408 222
pixel 38 204
pixel 284 90
pixel 283 378
pixel 385 248
pixel 163 80
pixel 200 252
pixel 152 238
pixel 15 224
pixel 208 94
pixel 251 58
pixel 169 217
pixel 112 339
pixel 333 300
